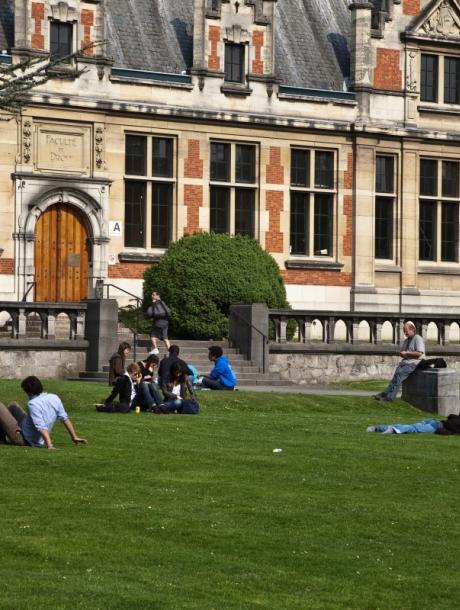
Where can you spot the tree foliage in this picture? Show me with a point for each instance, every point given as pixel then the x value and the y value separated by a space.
pixel 17 79
pixel 202 275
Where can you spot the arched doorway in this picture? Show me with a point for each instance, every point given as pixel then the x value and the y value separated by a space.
pixel 62 255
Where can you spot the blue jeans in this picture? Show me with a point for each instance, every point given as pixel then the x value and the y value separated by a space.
pixel 427 425
pixel 171 405
pixel 402 372
pixel 147 395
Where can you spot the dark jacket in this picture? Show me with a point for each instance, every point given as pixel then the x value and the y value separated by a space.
pixel 116 367
pixel 451 425
pixel 158 311
pixel 164 369
pixel 186 390
pixel 122 389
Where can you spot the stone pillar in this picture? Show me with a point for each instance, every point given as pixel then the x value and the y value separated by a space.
pixel 409 230
pixel 361 54
pixel 248 331
pixel 101 331
pixel 363 283
pixel 433 390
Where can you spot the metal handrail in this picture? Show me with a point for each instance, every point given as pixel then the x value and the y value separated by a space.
pixel 138 302
pixel 263 335
pixel 30 286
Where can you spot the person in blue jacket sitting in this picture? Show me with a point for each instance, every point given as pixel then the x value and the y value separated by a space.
pixel 222 376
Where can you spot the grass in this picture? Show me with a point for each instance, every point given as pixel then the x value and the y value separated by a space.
pixel 199 513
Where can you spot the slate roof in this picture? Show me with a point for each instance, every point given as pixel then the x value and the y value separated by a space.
pixel 6 24
pixel 312 38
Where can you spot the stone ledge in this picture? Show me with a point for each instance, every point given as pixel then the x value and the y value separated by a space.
pixel 44 344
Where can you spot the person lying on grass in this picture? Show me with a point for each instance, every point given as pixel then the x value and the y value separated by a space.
pixel 131 392
pixel 429 426
pixel 33 429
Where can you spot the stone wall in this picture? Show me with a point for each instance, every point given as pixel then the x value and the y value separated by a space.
pixel 59 364
pixel 327 368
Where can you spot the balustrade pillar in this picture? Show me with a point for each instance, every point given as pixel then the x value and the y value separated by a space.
pixel 50 326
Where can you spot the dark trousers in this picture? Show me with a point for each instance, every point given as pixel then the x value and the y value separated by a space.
pixel 10 424
pixel 213 384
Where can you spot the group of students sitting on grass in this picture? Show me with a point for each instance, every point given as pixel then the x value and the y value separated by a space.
pixel 162 387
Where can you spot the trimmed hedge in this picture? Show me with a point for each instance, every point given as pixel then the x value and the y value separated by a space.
pixel 202 275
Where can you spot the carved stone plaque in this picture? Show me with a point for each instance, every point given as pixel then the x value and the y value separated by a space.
pixel 62 149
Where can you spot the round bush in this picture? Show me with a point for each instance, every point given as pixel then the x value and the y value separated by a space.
pixel 202 275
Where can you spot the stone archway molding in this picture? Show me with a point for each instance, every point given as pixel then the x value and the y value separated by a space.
pixel 90 208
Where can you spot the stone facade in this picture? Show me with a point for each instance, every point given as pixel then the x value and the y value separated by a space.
pixel 360 101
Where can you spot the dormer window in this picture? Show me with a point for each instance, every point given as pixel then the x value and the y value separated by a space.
pixel 60 40
pixel 440 79
pixel 234 63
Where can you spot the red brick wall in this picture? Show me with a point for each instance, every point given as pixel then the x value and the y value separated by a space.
pixel 258 43
pixel 275 171
pixel 317 278
pixel 38 14
pixel 387 72
pixel 87 21
pixel 214 38
pixel 130 271
pixel 348 208
pixel 193 166
pixel 348 236
pixel 411 7
pixel 348 175
pixel 193 200
pixel 274 241
pixel 6 266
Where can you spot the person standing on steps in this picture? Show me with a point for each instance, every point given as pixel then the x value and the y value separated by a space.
pixel 159 312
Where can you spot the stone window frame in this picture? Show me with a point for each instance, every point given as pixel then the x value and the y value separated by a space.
pixel 232 185
pixel 149 180
pixel 438 199
pixel 391 197
pixel 311 191
pixel 440 76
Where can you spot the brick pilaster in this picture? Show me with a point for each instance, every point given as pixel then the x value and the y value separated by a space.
pixel 387 71
pixel 274 238
pixel 193 201
pixel 258 43
pixel 6 266
pixel 411 7
pixel 38 15
pixel 87 21
pixel 214 38
pixel 193 165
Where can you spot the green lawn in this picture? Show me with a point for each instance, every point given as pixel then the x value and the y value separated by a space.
pixel 174 512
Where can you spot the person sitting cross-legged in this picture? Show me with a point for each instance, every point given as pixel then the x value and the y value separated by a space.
pixel 130 392
pixel 33 429
pixel 412 353
pixel 222 376
pixel 178 391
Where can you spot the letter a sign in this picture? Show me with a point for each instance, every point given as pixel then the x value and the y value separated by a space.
pixel 115 228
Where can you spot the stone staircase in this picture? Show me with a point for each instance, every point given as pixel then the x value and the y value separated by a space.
pixel 196 354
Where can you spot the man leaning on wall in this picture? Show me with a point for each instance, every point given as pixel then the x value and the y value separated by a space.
pixel 412 352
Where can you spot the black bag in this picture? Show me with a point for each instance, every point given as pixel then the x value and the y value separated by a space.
pixel 189 407
pixel 432 363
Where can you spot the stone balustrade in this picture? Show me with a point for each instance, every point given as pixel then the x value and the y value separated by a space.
pixel 353 325
pixel 40 320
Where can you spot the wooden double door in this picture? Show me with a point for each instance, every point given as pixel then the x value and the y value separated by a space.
pixel 62 255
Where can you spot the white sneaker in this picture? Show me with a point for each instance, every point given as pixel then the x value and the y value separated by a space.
pixel 370 429
pixel 155 351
